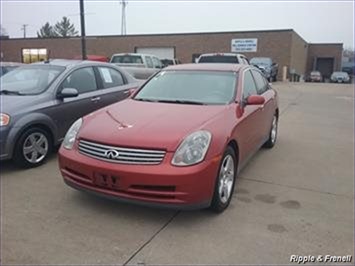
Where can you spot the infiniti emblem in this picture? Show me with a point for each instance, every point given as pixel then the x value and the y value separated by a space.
pixel 112 154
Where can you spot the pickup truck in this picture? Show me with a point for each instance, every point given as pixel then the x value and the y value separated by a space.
pixel 223 58
pixel 267 66
pixel 140 66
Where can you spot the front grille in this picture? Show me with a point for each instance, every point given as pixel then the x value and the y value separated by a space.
pixel 119 154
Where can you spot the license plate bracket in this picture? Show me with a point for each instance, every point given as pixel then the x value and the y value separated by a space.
pixel 106 180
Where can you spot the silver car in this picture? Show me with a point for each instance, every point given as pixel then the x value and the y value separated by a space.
pixel 39 102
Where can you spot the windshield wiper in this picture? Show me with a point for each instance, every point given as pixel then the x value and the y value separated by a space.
pixel 144 100
pixel 7 92
pixel 180 102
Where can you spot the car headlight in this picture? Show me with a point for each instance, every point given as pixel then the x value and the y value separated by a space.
pixel 70 137
pixel 4 119
pixel 193 149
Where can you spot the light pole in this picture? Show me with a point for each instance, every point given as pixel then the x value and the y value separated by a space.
pixel 82 24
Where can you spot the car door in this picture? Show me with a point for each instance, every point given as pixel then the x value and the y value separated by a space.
pixel 113 86
pixel 267 110
pixel 67 110
pixel 248 132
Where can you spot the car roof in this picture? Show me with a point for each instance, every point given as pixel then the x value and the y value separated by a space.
pixel 10 64
pixel 339 72
pixel 208 67
pixel 69 62
pixel 222 54
pixel 133 54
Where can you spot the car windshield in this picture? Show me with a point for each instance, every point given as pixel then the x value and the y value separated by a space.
pixel 260 61
pixel 340 74
pixel 32 79
pixel 315 73
pixel 127 59
pixel 218 59
pixel 190 87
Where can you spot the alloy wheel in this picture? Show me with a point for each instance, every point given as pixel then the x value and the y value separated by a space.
pixel 35 147
pixel 226 179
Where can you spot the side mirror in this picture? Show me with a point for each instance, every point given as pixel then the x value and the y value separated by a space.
pixel 255 100
pixel 68 93
pixel 131 92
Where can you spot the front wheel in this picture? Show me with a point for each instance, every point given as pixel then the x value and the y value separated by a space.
pixel 225 181
pixel 32 148
pixel 273 133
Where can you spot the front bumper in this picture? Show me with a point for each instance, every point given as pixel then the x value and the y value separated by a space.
pixel 7 138
pixel 162 185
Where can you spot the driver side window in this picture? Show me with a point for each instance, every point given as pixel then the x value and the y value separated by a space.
pixel 82 79
pixel 249 87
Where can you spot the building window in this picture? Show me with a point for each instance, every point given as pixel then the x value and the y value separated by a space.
pixel 34 55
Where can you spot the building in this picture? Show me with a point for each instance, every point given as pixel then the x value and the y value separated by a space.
pixel 285 47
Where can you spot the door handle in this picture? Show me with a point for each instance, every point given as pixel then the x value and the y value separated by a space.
pixel 95 99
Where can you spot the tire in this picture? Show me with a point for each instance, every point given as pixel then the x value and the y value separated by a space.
pixel 223 194
pixel 36 155
pixel 272 134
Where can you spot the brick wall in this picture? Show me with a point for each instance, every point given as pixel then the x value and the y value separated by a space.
pixel 299 53
pixel 326 50
pixel 285 47
pixel 275 44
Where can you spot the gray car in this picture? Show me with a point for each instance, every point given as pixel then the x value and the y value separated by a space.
pixel 39 102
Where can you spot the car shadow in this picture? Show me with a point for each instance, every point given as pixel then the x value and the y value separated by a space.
pixel 8 166
pixel 118 209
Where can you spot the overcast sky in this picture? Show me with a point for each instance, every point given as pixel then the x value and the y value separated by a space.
pixel 316 21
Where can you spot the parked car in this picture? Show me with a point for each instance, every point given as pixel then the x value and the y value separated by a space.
pixel 179 141
pixel 140 66
pixel 40 101
pixel 223 58
pixel 100 58
pixel 6 67
pixel 315 76
pixel 340 77
pixel 170 62
pixel 267 66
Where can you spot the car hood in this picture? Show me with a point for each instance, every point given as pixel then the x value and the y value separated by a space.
pixel 14 104
pixel 138 124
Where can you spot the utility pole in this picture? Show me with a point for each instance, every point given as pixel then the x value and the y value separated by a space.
pixel 124 3
pixel 24 27
pixel 82 24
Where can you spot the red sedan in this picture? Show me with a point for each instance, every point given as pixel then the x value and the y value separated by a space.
pixel 179 141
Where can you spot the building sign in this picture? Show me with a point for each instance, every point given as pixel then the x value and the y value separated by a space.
pixel 244 45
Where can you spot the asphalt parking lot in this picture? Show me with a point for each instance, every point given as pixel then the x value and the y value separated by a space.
pixel 296 199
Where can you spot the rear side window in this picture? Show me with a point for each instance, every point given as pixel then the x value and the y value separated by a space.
pixel 157 63
pixel 149 61
pixel 127 59
pixel 261 84
pixel 110 77
pixel 249 87
pixel 82 79
pixel 219 59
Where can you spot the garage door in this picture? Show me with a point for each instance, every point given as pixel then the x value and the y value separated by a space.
pixel 160 52
pixel 325 66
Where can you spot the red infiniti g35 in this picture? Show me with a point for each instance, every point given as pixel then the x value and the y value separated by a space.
pixel 179 140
